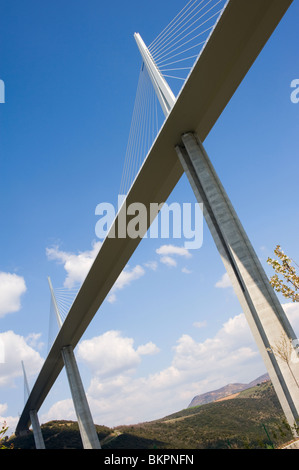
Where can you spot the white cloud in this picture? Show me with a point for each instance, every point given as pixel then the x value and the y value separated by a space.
pixel 33 340
pixel 173 250
pixel 16 350
pixel 111 354
pixel 12 287
pixel 292 311
pixel 147 349
pixel 126 277
pixel 200 324
pixel 111 298
pixel 3 408
pixel 76 265
pixel 168 260
pixel 63 409
pixel 167 253
pixel 10 421
pixel 153 265
pixel 230 355
pixel 224 282
pixel 186 271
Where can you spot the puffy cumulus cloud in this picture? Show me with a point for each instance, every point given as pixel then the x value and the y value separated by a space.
pixel 186 271
pixel 173 250
pixel 233 345
pixel 17 349
pixel 33 340
pixel 235 329
pixel 200 324
pixel 78 265
pixel 106 388
pixel 168 260
pixel 135 401
pixel 167 253
pixel 3 408
pixel 10 421
pixel 224 282
pixel 75 265
pixel 147 349
pixel 153 265
pixel 292 311
pixel 112 360
pixel 63 409
pixel 12 287
pixel 126 277
pixel 111 354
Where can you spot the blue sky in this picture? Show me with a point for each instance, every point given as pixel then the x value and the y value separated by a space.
pixel 70 71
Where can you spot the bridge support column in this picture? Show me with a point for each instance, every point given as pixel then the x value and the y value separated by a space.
pixel 88 433
pixel 266 318
pixel 37 432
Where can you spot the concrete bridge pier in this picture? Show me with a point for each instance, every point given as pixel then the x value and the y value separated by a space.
pixel 37 432
pixel 267 320
pixel 87 428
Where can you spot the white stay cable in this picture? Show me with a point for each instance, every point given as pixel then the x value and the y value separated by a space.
pixel 170 25
pixel 143 130
pixel 167 38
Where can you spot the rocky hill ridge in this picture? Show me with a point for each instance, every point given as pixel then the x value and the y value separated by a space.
pixel 225 391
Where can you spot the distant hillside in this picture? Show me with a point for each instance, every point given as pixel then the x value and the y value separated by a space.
pixel 254 420
pixel 226 391
pixel 60 434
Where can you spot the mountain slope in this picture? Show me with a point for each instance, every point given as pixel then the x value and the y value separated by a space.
pixel 225 391
pixel 242 422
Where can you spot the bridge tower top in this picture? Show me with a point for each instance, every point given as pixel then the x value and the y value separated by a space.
pixel 162 89
pixel 58 317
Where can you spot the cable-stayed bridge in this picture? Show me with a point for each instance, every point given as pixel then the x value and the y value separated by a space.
pixel 214 43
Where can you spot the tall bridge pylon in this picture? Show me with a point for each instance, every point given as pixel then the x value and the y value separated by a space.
pixel 264 313
pixel 37 432
pixel 87 429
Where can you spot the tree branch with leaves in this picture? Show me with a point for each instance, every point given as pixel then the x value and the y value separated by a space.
pixel 3 437
pixel 284 350
pixel 283 266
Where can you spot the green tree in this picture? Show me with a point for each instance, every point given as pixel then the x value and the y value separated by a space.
pixel 285 348
pixel 3 437
pixel 289 285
